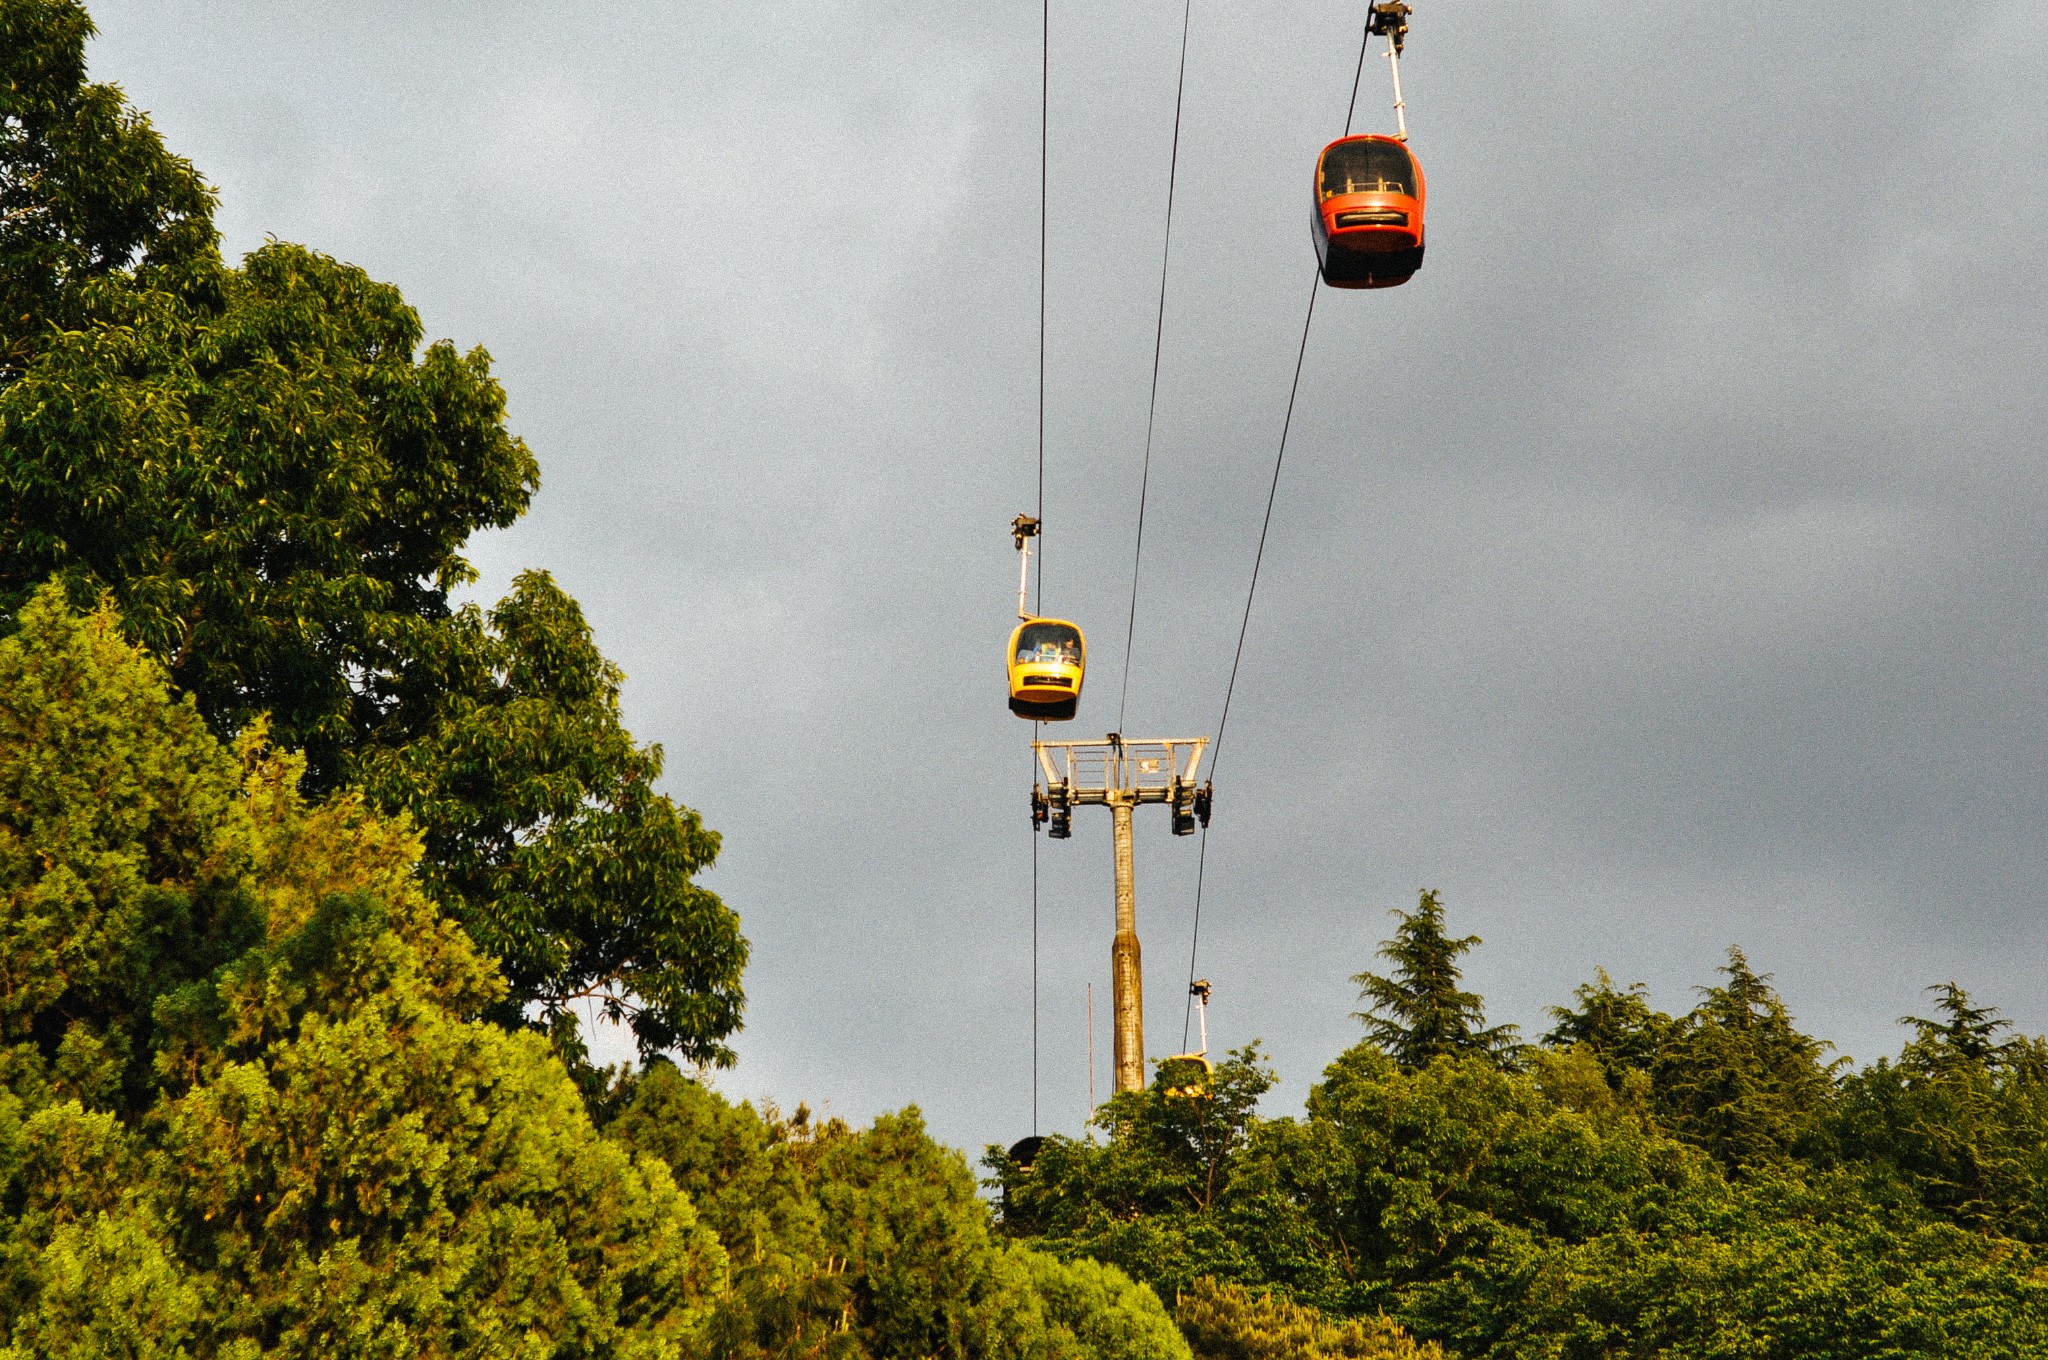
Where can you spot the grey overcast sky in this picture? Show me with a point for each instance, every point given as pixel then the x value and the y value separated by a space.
pixel 1661 569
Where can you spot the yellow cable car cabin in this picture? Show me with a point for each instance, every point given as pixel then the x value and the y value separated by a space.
pixel 1187 1075
pixel 1047 660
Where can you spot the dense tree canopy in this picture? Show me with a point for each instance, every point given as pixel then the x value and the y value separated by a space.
pixel 251 1104
pixel 874 1243
pixel 248 1096
pixel 274 479
pixel 1639 1185
pixel 86 187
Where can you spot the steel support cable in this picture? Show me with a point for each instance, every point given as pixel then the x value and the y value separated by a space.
pixel 1258 560
pixel 1038 606
pixel 1044 164
pixel 1243 628
pixel 1034 980
pixel 1158 344
pixel 1351 109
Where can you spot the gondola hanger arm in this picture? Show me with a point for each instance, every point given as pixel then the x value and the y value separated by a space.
pixel 1023 528
pixel 1389 19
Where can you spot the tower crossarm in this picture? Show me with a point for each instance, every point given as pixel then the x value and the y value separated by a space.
pixel 1152 770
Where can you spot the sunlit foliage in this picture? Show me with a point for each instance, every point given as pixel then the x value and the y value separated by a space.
pixel 1640 1185
pixel 274 477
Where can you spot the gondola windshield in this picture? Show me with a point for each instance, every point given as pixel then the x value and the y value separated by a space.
pixel 1373 167
pixel 1049 644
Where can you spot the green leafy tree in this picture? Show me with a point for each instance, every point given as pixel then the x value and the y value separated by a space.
pixel 928 1277
pixel 1738 1078
pixel 1784 1266
pixel 339 1156
pixel 1230 1322
pixel 1419 1012
pixel 274 478
pixel 1189 1125
pixel 849 1244
pixel 383 1177
pixel 86 186
pixel 1638 1186
pixel 1436 1188
pixel 1096 1312
pixel 546 834
pixel 1159 1199
pixel 791 1298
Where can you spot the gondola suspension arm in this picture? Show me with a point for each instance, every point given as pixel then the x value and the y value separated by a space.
pixel 1023 529
pixel 1390 20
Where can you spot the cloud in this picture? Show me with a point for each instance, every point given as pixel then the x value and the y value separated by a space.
pixel 1660 569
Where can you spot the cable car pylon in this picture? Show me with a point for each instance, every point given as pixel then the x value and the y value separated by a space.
pixel 1120 774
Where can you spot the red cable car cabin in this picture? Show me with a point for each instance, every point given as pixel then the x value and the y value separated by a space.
pixel 1368 222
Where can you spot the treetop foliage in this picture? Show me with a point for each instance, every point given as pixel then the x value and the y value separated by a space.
pixel 86 186
pixel 1965 1033
pixel 1615 1024
pixel 1419 1013
pixel 1738 1078
pixel 274 480
pixel 272 486
pixel 249 1102
pixel 1639 1184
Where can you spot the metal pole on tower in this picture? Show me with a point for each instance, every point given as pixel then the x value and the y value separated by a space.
pixel 1127 976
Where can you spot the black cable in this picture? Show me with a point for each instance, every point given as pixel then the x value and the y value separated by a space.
pixel 1351 109
pixel 1244 626
pixel 1034 955
pixel 1195 938
pixel 1158 343
pixel 1044 163
pixel 1044 143
pixel 1265 526
pixel 1258 559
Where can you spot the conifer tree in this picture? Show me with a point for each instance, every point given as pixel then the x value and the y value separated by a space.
pixel 1616 1025
pixel 1230 1322
pixel 1419 1013
pixel 247 1105
pixel 1738 1078
pixel 1965 1033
